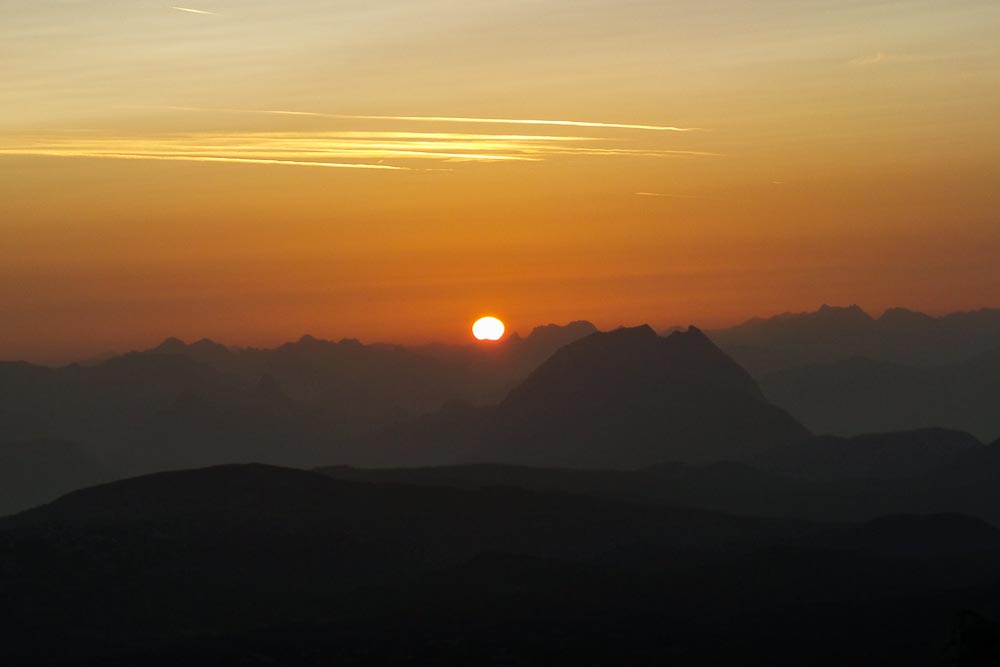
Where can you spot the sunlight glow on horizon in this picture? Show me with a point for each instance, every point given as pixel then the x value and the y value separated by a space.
pixel 184 170
pixel 488 329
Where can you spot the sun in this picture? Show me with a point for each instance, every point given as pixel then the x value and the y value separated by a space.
pixel 488 328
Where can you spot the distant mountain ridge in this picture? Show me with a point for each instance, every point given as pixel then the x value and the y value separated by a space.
pixel 387 380
pixel 561 396
pixel 833 333
pixel 182 405
pixel 861 395
pixel 840 371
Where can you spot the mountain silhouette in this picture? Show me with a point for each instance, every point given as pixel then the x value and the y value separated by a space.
pixel 564 396
pixel 629 397
pixel 491 370
pixel 618 399
pixel 824 478
pixel 256 564
pixel 380 382
pixel 862 395
pixel 181 405
pixel 36 471
pixel 834 334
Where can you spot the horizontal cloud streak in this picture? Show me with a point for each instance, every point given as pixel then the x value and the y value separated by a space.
pixel 195 11
pixel 198 158
pixel 351 149
pixel 519 121
pixel 456 119
pixel 667 195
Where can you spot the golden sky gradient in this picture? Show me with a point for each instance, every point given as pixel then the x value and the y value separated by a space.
pixel 251 171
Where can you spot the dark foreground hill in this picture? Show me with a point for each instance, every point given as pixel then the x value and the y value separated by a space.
pixel 244 565
pixel 822 478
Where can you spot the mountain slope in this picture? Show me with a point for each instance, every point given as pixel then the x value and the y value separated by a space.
pixel 37 471
pixel 274 565
pixel 629 397
pixel 620 399
pixel 861 395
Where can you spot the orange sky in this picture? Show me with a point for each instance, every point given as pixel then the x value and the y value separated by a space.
pixel 789 154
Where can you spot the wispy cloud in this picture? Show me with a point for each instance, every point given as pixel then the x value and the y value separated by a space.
pixel 521 121
pixel 349 149
pixel 667 194
pixel 455 119
pixel 196 158
pixel 195 11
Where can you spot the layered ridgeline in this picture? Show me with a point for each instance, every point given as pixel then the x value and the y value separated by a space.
pixel 620 399
pixel 791 340
pixel 617 399
pixel 822 478
pixel 861 395
pixel 183 405
pixel 246 565
pixel 841 371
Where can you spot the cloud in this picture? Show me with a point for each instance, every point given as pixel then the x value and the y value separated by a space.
pixel 666 194
pixel 347 149
pixel 519 121
pixel 195 11
pixel 458 119
pixel 198 158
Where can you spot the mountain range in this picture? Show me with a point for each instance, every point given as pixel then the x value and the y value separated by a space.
pixel 792 340
pixel 562 396
pixel 840 371
pixel 253 564
pixel 573 497
pixel 615 399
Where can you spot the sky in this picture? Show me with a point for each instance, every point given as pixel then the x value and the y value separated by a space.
pixel 251 170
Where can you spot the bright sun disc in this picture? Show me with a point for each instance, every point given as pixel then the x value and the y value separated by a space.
pixel 488 328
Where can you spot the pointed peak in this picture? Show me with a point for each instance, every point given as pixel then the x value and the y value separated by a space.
pixel 904 315
pixel 690 336
pixel 622 338
pixel 171 345
pixel 852 310
pixel 581 326
pixel 641 331
pixel 308 340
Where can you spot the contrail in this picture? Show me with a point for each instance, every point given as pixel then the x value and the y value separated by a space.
pixel 526 121
pixel 666 194
pixel 195 11
pixel 195 158
pixel 457 119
